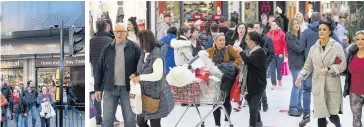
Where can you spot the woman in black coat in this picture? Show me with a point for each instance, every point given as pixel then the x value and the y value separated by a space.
pixel 254 75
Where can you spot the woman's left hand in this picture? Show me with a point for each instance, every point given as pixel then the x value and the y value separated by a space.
pixel 136 79
pixel 324 71
pixel 237 48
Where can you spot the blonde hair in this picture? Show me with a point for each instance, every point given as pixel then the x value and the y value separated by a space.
pixel 303 18
pixel 290 27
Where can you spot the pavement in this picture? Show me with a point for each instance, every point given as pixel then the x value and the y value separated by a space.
pixel 276 116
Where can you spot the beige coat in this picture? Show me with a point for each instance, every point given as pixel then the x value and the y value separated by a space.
pixel 326 89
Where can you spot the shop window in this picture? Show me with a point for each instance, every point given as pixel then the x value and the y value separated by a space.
pixel 13 77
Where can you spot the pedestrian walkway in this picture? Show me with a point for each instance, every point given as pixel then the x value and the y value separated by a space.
pixel 278 100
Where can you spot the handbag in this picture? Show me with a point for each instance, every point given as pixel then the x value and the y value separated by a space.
pixel 235 91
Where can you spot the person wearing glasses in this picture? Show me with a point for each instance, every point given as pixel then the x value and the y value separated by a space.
pixel 118 60
pixel 354 84
pixel 326 60
pixel 30 96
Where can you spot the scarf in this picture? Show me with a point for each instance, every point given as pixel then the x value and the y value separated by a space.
pixel 219 55
pixel 244 71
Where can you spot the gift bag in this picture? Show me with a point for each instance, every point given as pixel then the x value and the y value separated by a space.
pixel 284 69
pixel 135 96
pixel 235 91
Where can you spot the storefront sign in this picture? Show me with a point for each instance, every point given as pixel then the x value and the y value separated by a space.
pixel 12 64
pixel 54 62
pixel 7 47
pixel 197 16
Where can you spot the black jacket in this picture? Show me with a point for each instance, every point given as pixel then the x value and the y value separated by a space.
pixel 98 42
pixel 269 46
pixel 18 107
pixel 104 74
pixel 296 57
pixel 71 97
pixel 5 90
pixel 30 98
pixel 352 51
pixel 257 71
pixel 266 29
pixel 229 37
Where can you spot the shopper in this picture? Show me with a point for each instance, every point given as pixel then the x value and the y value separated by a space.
pixel 132 29
pixel 164 26
pixel 278 37
pixel 43 98
pixel 195 42
pixel 18 108
pixel 326 60
pixel 230 33
pixel 118 60
pixel 223 28
pixel 205 35
pixel 214 28
pixel 71 101
pixel 5 90
pixel 168 50
pixel 97 43
pixel 300 18
pixel 150 76
pixel 220 53
pixel 267 27
pixel 239 36
pixel 295 61
pixel 255 60
pixel 182 47
pixel 30 96
pixel 353 84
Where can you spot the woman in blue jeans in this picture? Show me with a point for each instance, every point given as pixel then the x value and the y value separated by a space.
pixel 18 108
pixel 44 97
pixel 71 100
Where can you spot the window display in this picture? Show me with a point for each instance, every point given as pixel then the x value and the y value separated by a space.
pixel 49 76
pixel 13 76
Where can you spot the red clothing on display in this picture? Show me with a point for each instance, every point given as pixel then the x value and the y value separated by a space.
pixel 356 69
pixel 279 41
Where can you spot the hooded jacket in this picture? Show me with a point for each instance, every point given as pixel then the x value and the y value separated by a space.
pixel 182 50
pixel 279 41
pixel 169 56
pixel 310 36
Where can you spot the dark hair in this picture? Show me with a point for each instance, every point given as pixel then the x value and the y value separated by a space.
pixel 271 16
pixel 147 40
pixel 193 29
pixel 275 22
pixel 260 24
pixel 101 25
pixel 250 25
pixel 29 82
pixel 207 28
pixel 167 15
pixel 214 28
pixel 132 20
pixel 257 38
pixel 172 30
pixel 330 24
pixel 182 31
pixel 232 25
pixel 236 35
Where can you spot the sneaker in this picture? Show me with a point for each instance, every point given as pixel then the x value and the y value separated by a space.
pixel 265 107
pixel 273 86
pixel 295 114
pixel 259 124
pixel 237 109
pixel 280 82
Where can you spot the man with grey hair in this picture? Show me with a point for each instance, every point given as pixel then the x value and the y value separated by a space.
pixel 118 61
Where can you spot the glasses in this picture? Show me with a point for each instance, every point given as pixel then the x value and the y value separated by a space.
pixel 120 31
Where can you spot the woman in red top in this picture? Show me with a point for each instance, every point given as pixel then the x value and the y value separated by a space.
pixel 279 42
pixel 354 83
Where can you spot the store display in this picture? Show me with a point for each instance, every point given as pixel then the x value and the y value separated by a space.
pixel 199 11
pixel 12 76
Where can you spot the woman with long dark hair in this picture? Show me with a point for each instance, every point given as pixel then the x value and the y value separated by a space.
pixel 151 79
pixel 195 42
pixel 132 29
pixel 238 38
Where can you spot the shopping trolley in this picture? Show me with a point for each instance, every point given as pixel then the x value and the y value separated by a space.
pixel 201 92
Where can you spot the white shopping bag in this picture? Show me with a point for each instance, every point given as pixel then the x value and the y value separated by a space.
pixel 135 96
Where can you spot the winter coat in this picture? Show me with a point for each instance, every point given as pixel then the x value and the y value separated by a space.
pixel 230 52
pixel 153 88
pixel 269 46
pixel 97 43
pixel 326 89
pixel 266 29
pixel 40 98
pixel 162 30
pixel 296 58
pixel 104 75
pixel 18 107
pixel 169 56
pixel 71 97
pixel 310 36
pixel 30 98
pixel 279 41
pixel 5 90
pixel 182 50
pixel 351 52
pixel 229 37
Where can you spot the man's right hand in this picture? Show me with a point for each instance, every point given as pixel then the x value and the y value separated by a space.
pixel 98 95
pixel 298 81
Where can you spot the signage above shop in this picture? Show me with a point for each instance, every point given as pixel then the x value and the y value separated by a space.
pixel 12 64
pixel 54 62
pixel 197 16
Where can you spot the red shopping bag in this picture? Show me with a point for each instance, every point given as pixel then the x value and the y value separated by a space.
pixel 235 91
pixel 284 69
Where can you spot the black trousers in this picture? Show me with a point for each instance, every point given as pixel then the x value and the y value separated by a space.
pixel 227 104
pixel 45 122
pixel 254 103
pixel 144 123
pixel 333 119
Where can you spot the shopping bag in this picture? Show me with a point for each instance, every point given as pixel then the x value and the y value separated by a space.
pixel 284 69
pixel 93 111
pixel 52 113
pixel 135 96
pixel 235 91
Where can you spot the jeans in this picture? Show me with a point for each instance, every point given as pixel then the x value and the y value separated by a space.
pixel 19 119
pixel 98 110
pixel 307 88
pixel 253 102
pixel 34 113
pixel 6 117
pixel 110 102
pixel 45 122
pixel 144 123
pixel 275 69
pixel 73 109
pixel 296 94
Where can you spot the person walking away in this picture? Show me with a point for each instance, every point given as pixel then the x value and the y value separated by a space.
pixel 354 86
pixel 256 67
pixel 97 43
pixel 18 108
pixel 168 49
pixel 118 60
pixel 182 47
pixel 220 53
pixel 71 101
pixel 164 26
pixel 132 29
pixel 295 61
pixel 195 42
pixel 30 96
pixel 326 60
pixel 278 37
pixel 150 76
pixel 5 90
pixel 44 98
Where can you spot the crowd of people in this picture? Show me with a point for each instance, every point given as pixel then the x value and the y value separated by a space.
pixel 317 54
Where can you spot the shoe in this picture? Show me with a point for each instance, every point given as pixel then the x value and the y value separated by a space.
pixel 280 82
pixel 237 109
pixel 226 124
pixel 116 121
pixel 295 114
pixel 305 120
pixel 259 124
pixel 274 86
pixel 98 122
pixel 265 107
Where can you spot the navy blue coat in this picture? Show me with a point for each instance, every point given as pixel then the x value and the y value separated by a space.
pixel 169 56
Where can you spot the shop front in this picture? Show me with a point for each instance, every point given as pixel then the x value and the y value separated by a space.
pixel 12 72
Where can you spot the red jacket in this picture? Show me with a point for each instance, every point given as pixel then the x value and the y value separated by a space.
pixel 279 41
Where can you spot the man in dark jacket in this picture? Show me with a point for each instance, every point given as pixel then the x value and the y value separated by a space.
pixel 101 38
pixel 229 35
pixel 30 96
pixel 5 90
pixel 267 26
pixel 214 28
pixel 117 62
